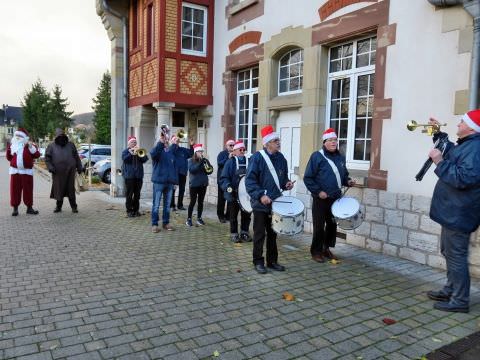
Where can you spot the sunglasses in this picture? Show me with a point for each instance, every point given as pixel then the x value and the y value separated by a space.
pixel 242 150
pixel 230 145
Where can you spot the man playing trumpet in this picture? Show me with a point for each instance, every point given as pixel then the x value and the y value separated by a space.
pixel 132 172
pixel 456 207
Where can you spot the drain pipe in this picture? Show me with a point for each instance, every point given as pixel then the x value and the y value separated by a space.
pixel 125 65
pixel 473 8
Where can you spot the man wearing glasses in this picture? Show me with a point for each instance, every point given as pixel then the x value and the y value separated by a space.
pixel 222 159
pixel 234 169
pixel 324 177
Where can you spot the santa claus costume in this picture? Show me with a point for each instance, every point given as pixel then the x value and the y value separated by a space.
pixel 20 154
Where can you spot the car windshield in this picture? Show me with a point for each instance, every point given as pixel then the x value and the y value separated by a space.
pixel 82 151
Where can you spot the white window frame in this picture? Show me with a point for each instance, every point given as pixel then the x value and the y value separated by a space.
pixel 289 78
pixel 353 74
pixel 250 92
pixel 205 30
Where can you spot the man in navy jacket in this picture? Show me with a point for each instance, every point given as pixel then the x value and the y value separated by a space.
pixel 456 206
pixel 132 172
pixel 321 180
pixel 164 177
pixel 222 158
pixel 263 189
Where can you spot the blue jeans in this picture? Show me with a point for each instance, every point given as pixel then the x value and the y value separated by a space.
pixel 158 190
pixel 454 246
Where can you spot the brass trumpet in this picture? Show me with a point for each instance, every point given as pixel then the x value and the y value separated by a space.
pixel 140 152
pixel 429 129
pixel 181 134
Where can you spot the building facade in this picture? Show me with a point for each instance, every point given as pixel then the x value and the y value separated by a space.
pixel 224 69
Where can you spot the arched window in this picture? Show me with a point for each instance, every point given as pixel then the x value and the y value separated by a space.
pixel 290 72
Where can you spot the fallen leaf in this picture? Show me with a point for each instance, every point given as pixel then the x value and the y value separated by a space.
pixel 210 270
pixel 389 321
pixel 238 245
pixel 321 318
pixel 239 270
pixel 299 300
pixel 334 262
pixel 216 353
pixel 436 340
pixel 287 296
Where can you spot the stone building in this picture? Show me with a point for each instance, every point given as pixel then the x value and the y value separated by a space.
pixel 223 69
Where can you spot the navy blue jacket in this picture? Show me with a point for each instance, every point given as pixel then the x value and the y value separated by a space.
pixel 222 159
pixel 319 175
pixel 231 176
pixel 259 181
pixel 164 170
pixel 181 159
pixel 132 167
pixel 198 177
pixel 456 198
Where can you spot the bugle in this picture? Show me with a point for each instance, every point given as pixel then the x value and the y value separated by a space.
pixel 429 129
pixel 140 152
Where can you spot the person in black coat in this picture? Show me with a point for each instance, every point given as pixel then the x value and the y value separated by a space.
pixel 456 207
pixel 132 172
pixel 198 184
pixel 222 158
pixel 234 169
pixel 181 159
pixel 264 186
pixel 325 174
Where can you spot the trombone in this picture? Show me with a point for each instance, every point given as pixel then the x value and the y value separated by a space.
pixel 428 129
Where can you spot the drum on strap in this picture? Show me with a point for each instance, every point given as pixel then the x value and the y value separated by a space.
pixel 347 213
pixel 287 215
pixel 243 197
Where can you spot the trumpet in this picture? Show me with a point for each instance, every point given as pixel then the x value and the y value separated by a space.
pixel 181 134
pixel 429 129
pixel 165 133
pixel 207 166
pixel 140 152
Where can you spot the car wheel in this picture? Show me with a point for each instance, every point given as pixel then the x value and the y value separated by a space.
pixel 107 177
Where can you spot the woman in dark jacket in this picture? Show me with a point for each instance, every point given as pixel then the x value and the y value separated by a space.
pixel 132 172
pixel 198 184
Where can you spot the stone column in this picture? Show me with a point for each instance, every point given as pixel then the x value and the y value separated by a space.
pixel 164 113
pixel 119 122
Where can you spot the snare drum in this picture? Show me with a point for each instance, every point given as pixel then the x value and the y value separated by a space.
pixel 347 213
pixel 287 215
pixel 243 197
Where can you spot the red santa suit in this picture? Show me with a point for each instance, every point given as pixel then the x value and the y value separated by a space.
pixel 21 169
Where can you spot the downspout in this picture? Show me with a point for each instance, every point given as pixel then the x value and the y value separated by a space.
pixel 473 8
pixel 125 65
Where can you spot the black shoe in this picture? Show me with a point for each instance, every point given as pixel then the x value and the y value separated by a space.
pixel 446 306
pixel 276 267
pixel 31 211
pixel 245 237
pixel 181 208
pixel 130 214
pixel 173 208
pixel 438 296
pixel 57 209
pixel 137 214
pixel 15 211
pixel 74 210
pixel 260 269
pixel 222 220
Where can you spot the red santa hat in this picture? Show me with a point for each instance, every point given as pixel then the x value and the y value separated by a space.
pixel 268 134
pixel 472 119
pixel 329 134
pixel 21 132
pixel 230 142
pixel 198 147
pixel 239 145
pixel 131 139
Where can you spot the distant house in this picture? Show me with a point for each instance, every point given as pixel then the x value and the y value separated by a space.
pixel 11 117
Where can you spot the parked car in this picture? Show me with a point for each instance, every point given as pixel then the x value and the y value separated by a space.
pixel 97 153
pixel 102 169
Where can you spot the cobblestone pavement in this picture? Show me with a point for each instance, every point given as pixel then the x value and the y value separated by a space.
pixel 98 285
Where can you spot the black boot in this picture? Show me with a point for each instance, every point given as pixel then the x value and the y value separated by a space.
pixel 58 208
pixel 74 209
pixel 15 211
pixel 31 211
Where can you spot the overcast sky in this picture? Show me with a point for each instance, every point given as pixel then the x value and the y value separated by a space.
pixel 58 41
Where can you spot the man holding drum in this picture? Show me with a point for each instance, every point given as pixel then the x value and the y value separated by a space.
pixel 267 176
pixel 325 174
pixel 234 169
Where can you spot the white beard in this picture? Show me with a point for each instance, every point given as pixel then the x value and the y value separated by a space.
pixel 17 146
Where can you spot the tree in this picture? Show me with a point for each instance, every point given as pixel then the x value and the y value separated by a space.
pixel 101 107
pixel 59 116
pixel 36 111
